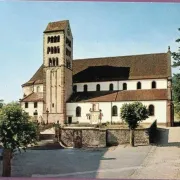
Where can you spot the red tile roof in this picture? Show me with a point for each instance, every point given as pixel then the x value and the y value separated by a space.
pixel 37 78
pixel 148 66
pixel 116 96
pixel 33 97
pixel 56 26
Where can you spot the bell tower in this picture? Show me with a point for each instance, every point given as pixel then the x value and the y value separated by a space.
pixel 57 70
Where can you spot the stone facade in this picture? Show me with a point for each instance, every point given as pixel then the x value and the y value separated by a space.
pixel 95 137
pixel 57 80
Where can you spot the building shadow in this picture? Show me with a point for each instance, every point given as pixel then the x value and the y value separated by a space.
pixel 46 145
pixel 99 73
pixel 51 160
pixel 162 138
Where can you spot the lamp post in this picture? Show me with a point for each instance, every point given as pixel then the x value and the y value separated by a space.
pixel 47 114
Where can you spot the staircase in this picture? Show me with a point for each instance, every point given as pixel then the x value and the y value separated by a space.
pixel 47 141
pixel 48 134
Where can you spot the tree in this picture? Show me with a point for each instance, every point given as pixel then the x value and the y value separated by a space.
pixel 133 114
pixel 176 55
pixel 16 132
pixel 176 94
pixel 1 103
pixel 176 81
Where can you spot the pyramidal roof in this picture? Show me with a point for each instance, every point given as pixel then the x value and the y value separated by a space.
pixel 56 26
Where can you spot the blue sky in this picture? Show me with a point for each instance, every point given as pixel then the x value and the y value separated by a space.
pixel 99 29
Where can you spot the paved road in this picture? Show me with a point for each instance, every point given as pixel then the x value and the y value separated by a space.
pixel 120 162
pixel 164 162
pixel 143 162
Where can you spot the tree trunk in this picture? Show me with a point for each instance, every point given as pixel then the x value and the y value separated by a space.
pixel 7 154
pixel 132 137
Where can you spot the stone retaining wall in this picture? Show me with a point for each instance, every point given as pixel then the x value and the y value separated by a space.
pixel 122 136
pixel 96 137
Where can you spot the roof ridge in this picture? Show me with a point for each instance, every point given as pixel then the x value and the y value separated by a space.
pixel 59 21
pixel 96 58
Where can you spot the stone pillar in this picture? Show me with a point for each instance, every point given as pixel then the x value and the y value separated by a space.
pixel 63 103
pixel 77 138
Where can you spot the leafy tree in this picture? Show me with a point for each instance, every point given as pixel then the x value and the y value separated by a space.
pixel 133 114
pixel 1 103
pixel 16 132
pixel 176 55
pixel 176 81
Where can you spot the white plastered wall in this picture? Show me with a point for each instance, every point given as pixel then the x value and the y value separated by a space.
pixel 30 110
pixel 160 111
pixel 118 85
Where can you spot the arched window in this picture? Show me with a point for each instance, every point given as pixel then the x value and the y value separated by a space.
pixel 111 87
pixel 151 110
pixel 85 88
pixel 98 87
pixel 35 104
pixel 52 50
pixel 26 104
pixel 49 40
pixel 48 50
pixel 54 62
pixel 58 38
pixel 52 40
pixel 57 62
pixel 50 62
pixel 35 113
pixel 55 50
pixel 78 111
pixel 68 64
pixel 38 88
pixel 58 50
pixel 114 111
pixel 124 86
pixel 55 40
pixel 153 85
pixel 139 85
pixel 75 88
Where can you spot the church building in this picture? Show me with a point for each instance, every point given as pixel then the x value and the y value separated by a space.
pixel 93 90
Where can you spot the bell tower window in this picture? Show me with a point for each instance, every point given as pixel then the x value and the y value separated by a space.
pixel 55 50
pixel 52 40
pixel 58 50
pixel 57 63
pixel 55 40
pixel 50 62
pixel 54 62
pixel 48 50
pixel 49 39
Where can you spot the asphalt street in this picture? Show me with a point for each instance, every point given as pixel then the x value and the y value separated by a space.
pixel 118 162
